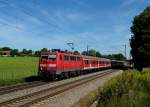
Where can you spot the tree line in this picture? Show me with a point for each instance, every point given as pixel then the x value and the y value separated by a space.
pixel 95 53
pixel 23 52
pixel 91 52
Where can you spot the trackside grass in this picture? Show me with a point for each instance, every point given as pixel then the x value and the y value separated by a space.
pixel 87 100
pixel 16 69
pixel 131 89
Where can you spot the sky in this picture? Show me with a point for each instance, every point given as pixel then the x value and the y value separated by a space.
pixel 103 25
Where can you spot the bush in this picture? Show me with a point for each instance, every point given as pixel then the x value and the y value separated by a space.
pixel 131 89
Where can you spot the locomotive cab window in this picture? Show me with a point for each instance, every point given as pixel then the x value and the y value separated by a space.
pixel 50 56
pixel 44 57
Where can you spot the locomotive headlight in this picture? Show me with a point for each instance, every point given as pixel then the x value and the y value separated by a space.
pixel 52 65
pixel 42 65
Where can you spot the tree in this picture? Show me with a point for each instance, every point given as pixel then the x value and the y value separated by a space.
pixel 76 52
pixel 29 52
pixel 140 40
pixel 6 49
pixel 24 52
pixel 115 56
pixel 37 53
pixel 84 53
pixel 1 53
pixel 14 52
pixel 44 50
pixel 92 52
pixel 98 54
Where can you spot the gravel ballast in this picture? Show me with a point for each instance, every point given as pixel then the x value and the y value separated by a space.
pixel 16 94
pixel 70 97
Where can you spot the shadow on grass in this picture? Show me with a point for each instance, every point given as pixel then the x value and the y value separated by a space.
pixel 32 78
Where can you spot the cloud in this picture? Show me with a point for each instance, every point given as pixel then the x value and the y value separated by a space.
pixel 56 20
pixel 101 41
pixel 121 29
pixel 66 20
pixel 28 14
pixel 126 3
pixel 11 25
pixel 54 26
pixel 81 3
pixel 2 4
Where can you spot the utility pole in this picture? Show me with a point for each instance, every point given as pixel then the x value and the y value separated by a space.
pixel 87 49
pixel 125 50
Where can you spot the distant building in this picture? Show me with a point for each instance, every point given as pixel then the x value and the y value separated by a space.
pixel 5 53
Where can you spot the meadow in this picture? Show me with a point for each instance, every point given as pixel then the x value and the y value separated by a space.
pixel 15 69
pixel 131 89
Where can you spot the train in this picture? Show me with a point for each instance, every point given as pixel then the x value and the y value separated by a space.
pixel 59 64
pixel 125 64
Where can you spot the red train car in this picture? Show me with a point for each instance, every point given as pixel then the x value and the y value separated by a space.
pixel 94 63
pixel 60 64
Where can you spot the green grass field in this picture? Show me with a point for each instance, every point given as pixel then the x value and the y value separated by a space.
pixel 15 69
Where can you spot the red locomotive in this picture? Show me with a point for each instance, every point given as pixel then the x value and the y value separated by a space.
pixel 60 64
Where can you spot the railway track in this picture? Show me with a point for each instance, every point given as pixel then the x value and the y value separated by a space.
pixel 35 97
pixel 9 89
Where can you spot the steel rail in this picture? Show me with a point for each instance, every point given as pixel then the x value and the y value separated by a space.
pixel 35 97
pixel 9 89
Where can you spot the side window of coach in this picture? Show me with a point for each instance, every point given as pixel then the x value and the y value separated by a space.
pixel 73 58
pixel 66 58
pixel 78 58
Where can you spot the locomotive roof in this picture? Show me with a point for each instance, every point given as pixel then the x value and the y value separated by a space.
pixel 69 53
pixel 55 52
pixel 100 58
